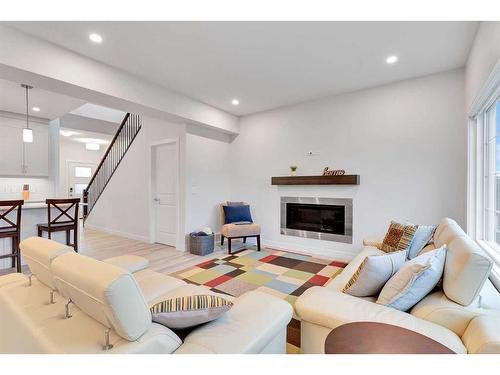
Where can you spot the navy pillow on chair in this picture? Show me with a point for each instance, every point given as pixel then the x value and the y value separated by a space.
pixel 237 214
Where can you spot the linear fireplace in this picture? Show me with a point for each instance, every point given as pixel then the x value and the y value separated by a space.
pixel 327 219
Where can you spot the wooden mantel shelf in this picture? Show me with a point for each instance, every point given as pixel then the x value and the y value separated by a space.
pixel 346 179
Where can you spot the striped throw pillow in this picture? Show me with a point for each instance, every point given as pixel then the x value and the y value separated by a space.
pixel 189 311
pixel 398 237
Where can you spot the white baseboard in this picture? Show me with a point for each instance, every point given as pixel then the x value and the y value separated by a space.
pixel 309 250
pixel 119 233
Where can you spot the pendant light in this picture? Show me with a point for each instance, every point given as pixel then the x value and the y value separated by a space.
pixel 27 132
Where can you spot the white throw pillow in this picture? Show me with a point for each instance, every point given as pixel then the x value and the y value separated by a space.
pixel 415 279
pixel 373 273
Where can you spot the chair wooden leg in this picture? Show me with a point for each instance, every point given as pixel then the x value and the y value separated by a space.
pixel 75 238
pixel 221 240
pixel 229 245
pixel 40 234
pixel 244 240
pixel 67 238
pixel 258 243
pixel 18 256
pixel 14 252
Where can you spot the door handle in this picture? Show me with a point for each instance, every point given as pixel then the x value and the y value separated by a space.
pixel 156 199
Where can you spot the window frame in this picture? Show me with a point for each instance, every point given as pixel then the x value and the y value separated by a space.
pixel 476 167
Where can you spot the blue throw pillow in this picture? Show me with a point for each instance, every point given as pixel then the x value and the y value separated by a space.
pixel 422 236
pixel 237 214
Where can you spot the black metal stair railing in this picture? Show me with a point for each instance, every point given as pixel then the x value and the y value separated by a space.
pixel 128 130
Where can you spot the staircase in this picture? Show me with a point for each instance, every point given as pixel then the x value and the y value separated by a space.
pixel 119 146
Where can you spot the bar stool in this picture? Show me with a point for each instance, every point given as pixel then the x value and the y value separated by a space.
pixel 12 229
pixel 65 221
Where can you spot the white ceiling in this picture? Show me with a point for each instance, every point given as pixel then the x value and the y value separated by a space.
pixel 266 64
pixel 52 105
pixel 100 113
pixel 84 136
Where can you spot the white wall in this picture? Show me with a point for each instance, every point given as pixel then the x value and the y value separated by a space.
pixel 207 179
pixel 484 54
pixel 407 141
pixel 124 207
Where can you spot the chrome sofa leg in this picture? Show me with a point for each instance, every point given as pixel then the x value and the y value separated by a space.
pixel 29 279
pixel 52 300
pixel 107 345
pixel 68 314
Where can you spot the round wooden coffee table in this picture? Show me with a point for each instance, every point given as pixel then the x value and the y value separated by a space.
pixel 380 338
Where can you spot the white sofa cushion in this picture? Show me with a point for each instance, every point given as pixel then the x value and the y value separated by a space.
pixel 132 263
pixel 442 224
pixel 373 273
pixel 107 293
pixel 466 270
pixel 441 237
pixel 330 309
pixel 437 308
pixel 154 285
pixel 39 253
pixel 483 335
pixel 255 321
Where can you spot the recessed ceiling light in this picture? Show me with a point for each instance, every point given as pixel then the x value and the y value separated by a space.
pixel 96 38
pixel 235 102
pixel 391 59
pixel 92 140
pixel 92 146
pixel 36 109
pixel 67 133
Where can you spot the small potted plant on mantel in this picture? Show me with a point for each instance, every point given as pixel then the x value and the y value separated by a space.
pixel 293 170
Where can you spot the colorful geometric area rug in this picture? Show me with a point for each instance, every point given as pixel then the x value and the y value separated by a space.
pixel 283 274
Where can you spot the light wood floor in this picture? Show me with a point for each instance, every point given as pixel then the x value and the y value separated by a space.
pixel 162 258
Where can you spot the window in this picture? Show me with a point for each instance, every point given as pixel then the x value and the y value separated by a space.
pixel 483 171
pixel 83 172
pixel 491 197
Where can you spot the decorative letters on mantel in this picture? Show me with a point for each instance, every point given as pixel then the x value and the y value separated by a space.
pixel 333 172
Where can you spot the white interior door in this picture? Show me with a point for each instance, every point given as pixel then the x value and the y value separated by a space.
pixel 165 193
pixel 79 175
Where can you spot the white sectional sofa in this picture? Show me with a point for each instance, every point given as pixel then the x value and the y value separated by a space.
pixel 115 295
pixel 464 314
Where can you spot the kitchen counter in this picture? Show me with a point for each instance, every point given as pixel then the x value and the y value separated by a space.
pixel 34 204
pixel 28 205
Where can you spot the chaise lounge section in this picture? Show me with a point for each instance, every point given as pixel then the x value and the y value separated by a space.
pixel 114 296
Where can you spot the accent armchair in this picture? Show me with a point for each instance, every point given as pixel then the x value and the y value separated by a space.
pixel 238 230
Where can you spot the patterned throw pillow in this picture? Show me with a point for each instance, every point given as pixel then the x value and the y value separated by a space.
pixel 398 237
pixel 373 273
pixel 189 311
